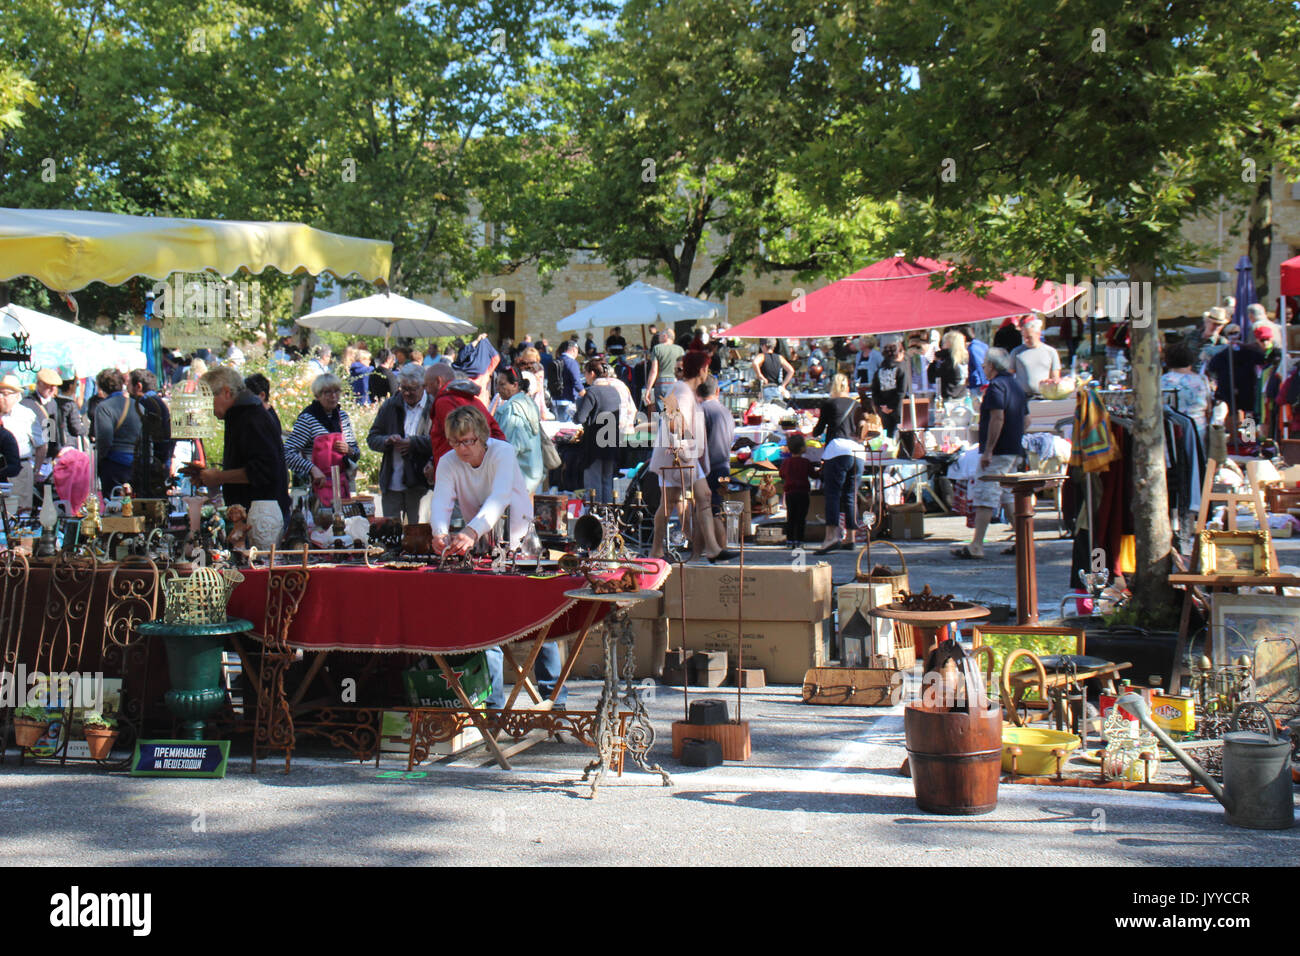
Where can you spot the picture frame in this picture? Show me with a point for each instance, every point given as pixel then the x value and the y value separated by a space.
pixel 1234 553
pixel 1265 628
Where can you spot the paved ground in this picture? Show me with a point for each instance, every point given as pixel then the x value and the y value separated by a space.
pixel 822 788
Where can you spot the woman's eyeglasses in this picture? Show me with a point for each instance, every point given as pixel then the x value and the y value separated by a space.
pixel 465 442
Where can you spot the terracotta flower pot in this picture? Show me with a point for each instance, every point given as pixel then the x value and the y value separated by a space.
pixel 100 741
pixel 27 732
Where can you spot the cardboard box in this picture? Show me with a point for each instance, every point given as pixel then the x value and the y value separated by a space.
pixel 850 597
pixel 817 508
pixel 779 593
pixel 784 649
pixel 907 522
pixel 395 737
pixel 651 638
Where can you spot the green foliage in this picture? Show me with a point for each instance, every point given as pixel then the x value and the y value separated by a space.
pixel 670 134
pixel 33 712
pixel 93 718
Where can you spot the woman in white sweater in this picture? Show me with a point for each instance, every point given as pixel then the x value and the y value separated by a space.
pixel 482 476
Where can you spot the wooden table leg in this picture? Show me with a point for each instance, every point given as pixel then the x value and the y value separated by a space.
pixel 576 648
pixel 522 679
pixel 1180 648
pixel 312 671
pixel 474 714
pixel 1026 566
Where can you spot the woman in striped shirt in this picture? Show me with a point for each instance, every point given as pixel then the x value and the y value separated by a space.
pixel 321 417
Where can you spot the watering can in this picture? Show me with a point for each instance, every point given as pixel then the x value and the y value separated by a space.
pixel 1256 790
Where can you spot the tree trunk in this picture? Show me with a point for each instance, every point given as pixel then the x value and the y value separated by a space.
pixel 1153 596
pixel 303 292
pixel 1260 237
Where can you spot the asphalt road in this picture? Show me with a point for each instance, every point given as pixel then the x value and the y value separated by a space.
pixel 822 788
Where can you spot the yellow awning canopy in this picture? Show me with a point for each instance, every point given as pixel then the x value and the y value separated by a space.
pixel 67 250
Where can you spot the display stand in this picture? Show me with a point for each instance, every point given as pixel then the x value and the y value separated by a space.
pixel 616 737
pixel 1216 583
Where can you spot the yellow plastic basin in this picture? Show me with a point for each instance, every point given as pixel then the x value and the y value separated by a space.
pixel 1036 758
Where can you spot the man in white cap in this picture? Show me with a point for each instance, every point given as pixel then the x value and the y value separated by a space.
pixel 27 430
pixel 65 424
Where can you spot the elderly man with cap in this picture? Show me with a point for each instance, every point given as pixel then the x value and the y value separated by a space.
pixel 29 433
pixel 66 424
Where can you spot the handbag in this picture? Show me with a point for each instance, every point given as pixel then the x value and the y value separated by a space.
pixel 550 456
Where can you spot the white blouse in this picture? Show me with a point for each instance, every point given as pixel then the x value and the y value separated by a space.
pixel 483 493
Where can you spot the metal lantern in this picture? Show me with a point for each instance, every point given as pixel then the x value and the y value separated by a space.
pixel 192 416
pixel 15 342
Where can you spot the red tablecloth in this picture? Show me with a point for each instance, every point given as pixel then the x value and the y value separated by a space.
pixel 421 611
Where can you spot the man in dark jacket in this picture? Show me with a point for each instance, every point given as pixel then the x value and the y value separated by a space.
pixel 157 416
pixel 252 472
pixel 401 432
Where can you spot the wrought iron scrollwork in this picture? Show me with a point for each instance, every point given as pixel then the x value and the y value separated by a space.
pixel 273 726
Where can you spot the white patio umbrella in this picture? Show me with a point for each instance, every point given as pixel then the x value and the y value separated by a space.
pixel 387 314
pixel 638 304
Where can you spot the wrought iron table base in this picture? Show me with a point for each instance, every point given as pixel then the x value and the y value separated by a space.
pixel 617 737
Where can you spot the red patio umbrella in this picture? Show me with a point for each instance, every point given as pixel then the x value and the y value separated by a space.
pixel 894 295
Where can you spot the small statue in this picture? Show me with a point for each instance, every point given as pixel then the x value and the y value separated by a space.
pixel 237 530
pixel 214 526
pixel 128 509
pixel 295 535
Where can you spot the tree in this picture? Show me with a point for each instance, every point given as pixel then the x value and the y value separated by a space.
pixel 669 135
pixel 352 117
pixel 1066 139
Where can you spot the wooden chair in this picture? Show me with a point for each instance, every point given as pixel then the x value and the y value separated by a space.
pixel 1011 644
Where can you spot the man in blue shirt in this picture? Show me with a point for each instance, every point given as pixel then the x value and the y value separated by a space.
pixel 572 382
pixel 979 351
pixel 1004 414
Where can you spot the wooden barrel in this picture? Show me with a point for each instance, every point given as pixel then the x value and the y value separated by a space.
pixel 956 759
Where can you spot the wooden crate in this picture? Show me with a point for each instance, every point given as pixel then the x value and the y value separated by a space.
pixel 857 686
pixel 734 737
pixel 1281 500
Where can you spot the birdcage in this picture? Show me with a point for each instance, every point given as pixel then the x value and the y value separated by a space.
pixel 192 413
pixel 200 597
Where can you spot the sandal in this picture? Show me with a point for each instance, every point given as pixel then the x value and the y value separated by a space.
pixel 965 553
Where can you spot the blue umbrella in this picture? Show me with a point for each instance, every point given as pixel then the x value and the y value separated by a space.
pixel 1245 296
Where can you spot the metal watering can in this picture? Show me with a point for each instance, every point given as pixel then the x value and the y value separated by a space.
pixel 1256 790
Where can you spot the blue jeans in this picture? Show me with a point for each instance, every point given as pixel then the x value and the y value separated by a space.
pixel 662 388
pixel 548 667
pixel 840 482
pixel 599 476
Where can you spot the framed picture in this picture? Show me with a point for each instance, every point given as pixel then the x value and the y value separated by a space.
pixel 1244 553
pixel 1266 629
